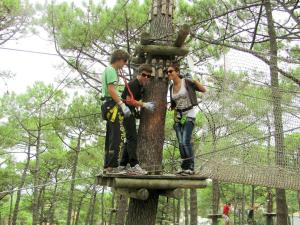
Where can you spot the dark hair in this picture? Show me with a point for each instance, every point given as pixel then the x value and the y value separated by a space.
pixel 176 67
pixel 145 67
pixel 119 55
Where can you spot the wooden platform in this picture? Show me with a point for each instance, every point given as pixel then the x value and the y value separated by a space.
pixel 156 182
pixel 270 214
pixel 217 216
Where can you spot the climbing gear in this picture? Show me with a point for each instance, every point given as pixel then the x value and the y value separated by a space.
pixel 109 110
pixel 131 99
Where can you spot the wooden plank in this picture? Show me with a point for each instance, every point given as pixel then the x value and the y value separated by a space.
pixel 171 7
pixel 163 7
pixel 164 176
pixel 161 50
pixel 157 183
pixel 182 35
pixel 155 9
pixel 214 216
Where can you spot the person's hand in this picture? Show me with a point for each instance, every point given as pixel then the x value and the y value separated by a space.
pixel 126 111
pixel 132 102
pixel 149 106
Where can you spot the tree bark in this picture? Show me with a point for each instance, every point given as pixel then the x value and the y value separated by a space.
pixel 23 178
pixel 72 184
pixel 193 207
pixel 186 208
pixel 178 212
pixel 10 208
pixel 53 201
pixel 151 131
pixel 36 175
pixel 215 201
pixel 79 207
pixel 122 204
pixel 282 210
pixel 269 219
pixel 298 196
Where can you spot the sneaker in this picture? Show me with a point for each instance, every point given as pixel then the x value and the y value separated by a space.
pixel 137 170
pixel 179 172
pixel 187 172
pixel 120 170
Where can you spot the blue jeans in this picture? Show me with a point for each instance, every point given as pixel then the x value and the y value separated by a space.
pixel 184 134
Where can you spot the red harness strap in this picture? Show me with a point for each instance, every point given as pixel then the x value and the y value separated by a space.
pixel 131 100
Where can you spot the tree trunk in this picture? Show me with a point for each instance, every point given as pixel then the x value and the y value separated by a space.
pixel 23 178
pixel 122 204
pixel 79 207
pixel 215 201
pixel 102 206
pixel 178 212
pixel 53 201
pixel 298 196
pixel 151 131
pixel 110 222
pixel 193 207
pixel 186 208
pixel 36 176
pixel 282 211
pixel 90 215
pixel 269 219
pixel 10 208
pixel 72 185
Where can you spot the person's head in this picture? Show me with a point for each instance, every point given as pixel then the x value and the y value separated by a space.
pixel 173 71
pixel 119 58
pixel 144 73
pixel 228 203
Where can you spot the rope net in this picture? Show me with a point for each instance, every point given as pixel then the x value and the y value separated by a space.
pixel 237 138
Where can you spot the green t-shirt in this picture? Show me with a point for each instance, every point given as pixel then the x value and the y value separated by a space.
pixel 109 76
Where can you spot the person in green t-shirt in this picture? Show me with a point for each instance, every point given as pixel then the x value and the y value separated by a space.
pixel 113 111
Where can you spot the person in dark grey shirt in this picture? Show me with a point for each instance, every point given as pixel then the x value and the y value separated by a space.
pixel 132 96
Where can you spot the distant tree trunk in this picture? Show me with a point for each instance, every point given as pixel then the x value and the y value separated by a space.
pixel 79 207
pixel 110 222
pixel 53 200
pixel 193 207
pixel 22 182
pixel 36 175
pixel 151 130
pixel 102 206
pixel 10 208
pixel 90 215
pixel 72 183
pixel 178 212
pixel 42 203
pixel 298 195
pixel 186 208
pixel 215 200
pixel 282 210
pixel 243 204
pixel 93 206
pixel 269 219
pixel 122 204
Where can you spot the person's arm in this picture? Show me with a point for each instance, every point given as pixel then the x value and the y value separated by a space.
pixel 199 86
pixel 113 93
